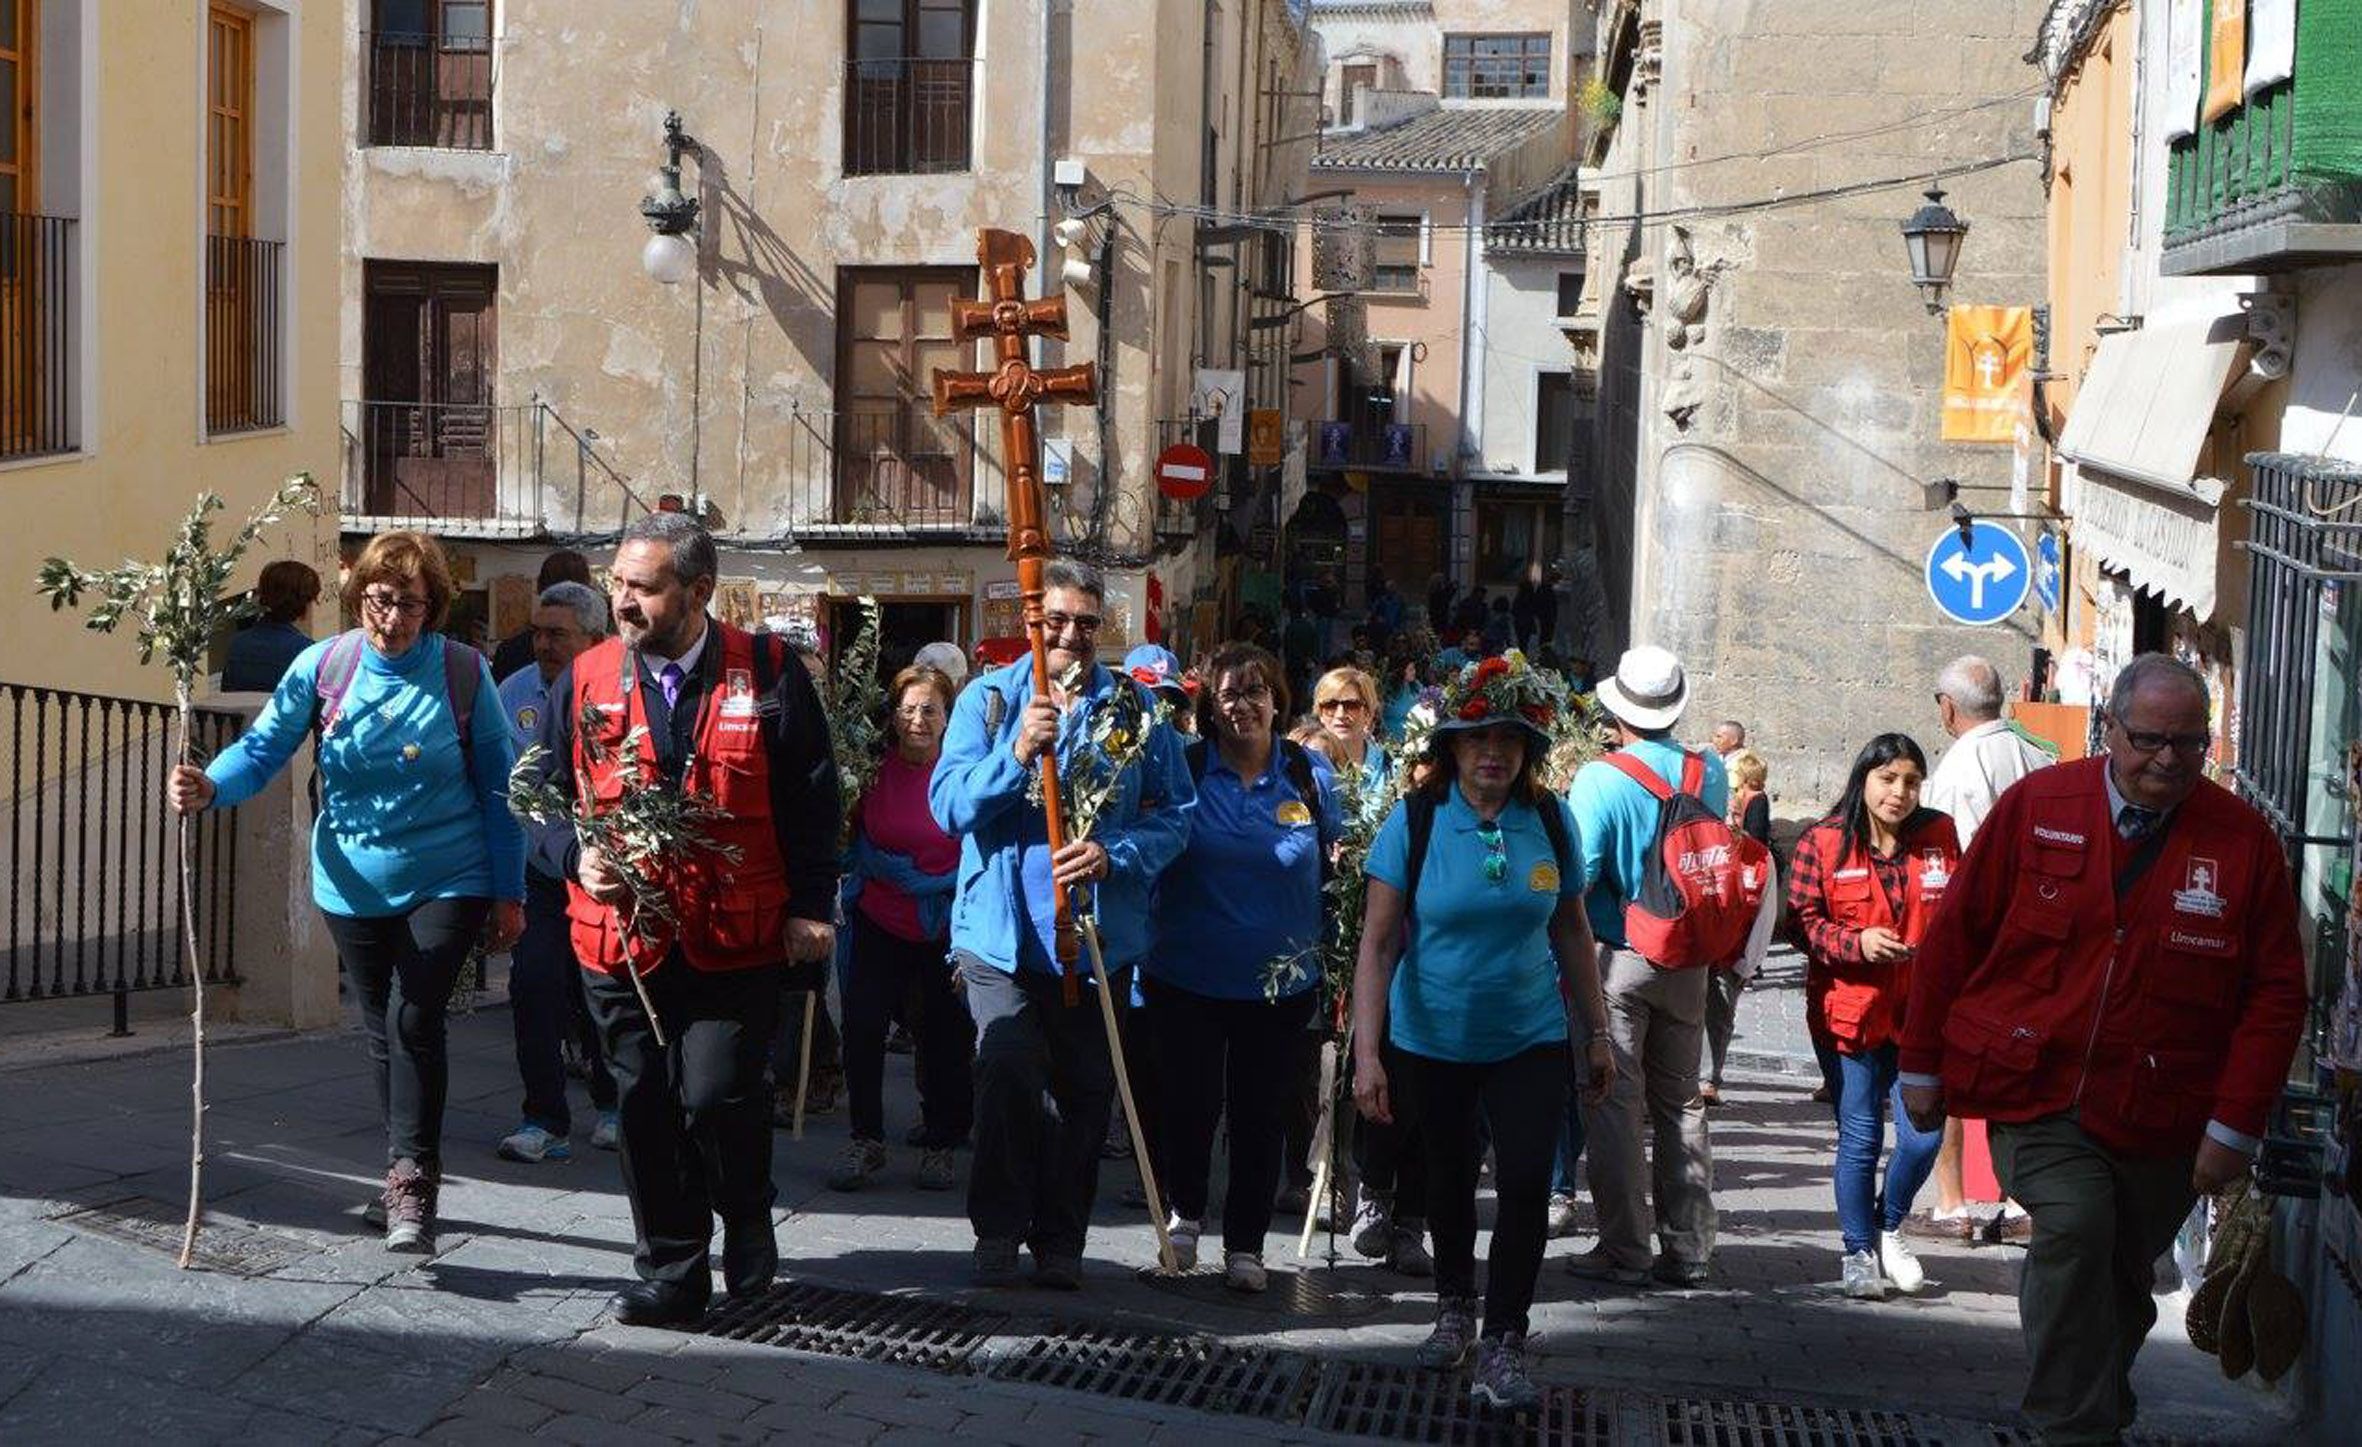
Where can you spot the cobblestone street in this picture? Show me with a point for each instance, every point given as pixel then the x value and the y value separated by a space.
pixel 306 1331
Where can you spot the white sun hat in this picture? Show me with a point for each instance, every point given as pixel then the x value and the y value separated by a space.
pixel 1649 690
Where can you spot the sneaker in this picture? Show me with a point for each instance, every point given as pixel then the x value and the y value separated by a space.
pixel 410 1191
pixel 1562 1217
pixel 608 1133
pixel 1666 1271
pixel 996 1261
pixel 1899 1263
pixel 1373 1225
pixel 862 1160
pixel 1958 1224
pixel 1184 1234
pixel 373 1214
pixel 1243 1271
pixel 1597 1265
pixel 935 1171
pixel 1447 1346
pixel 1501 1383
pixel 532 1145
pixel 1408 1254
pixel 1861 1277
pixel 1710 1094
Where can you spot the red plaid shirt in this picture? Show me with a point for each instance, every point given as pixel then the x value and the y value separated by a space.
pixel 1808 899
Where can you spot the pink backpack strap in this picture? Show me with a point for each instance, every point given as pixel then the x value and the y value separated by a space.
pixel 332 678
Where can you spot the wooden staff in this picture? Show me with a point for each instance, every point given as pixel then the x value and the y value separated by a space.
pixel 804 1060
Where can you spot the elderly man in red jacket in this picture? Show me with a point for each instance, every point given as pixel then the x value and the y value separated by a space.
pixel 2116 986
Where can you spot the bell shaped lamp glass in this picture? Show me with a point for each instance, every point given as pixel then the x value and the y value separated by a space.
pixel 669 259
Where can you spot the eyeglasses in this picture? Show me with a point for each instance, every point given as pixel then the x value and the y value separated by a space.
pixel 2144 742
pixel 382 603
pixel 920 712
pixel 1229 698
pixel 1084 623
pixel 1496 852
pixel 1349 705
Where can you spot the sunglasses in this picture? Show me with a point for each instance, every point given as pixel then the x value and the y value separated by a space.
pixel 1496 852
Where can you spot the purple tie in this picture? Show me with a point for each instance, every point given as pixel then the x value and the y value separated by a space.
pixel 670 682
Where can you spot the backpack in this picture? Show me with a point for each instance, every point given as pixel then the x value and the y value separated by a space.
pixel 1421 822
pixel 1703 882
pixel 332 678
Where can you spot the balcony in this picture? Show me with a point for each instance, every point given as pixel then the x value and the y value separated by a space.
pixel 908 116
pixel 2277 183
pixel 243 391
pixel 1370 444
pixel 37 339
pixel 427 90
pixel 877 474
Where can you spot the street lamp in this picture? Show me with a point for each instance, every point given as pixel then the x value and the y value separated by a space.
pixel 1933 236
pixel 670 255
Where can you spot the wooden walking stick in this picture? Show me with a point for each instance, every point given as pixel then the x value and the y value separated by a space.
pixel 1322 1135
pixel 804 1061
pixel 1165 1259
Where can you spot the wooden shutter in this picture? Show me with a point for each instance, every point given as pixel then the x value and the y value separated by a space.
pixel 229 132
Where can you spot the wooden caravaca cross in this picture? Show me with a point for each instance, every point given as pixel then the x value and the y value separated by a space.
pixel 1009 321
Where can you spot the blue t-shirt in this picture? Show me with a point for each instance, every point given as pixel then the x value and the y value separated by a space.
pixel 1619 823
pixel 1479 981
pixel 403 819
pixel 258 657
pixel 1245 893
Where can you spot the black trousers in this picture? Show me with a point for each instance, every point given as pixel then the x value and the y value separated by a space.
pixel 1524 1100
pixel 888 973
pixel 1226 1058
pixel 694 1113
pixel 545 988
pixel 1044 1088
pixel 401 968
pixel 1392 1158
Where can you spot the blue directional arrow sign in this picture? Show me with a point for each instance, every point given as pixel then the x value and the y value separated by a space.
pixel 1982 579
pixel 2046 572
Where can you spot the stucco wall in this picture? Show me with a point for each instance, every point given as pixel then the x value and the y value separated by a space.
pixel 1521 307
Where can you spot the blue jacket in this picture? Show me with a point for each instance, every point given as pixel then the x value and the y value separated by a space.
pixel 978 795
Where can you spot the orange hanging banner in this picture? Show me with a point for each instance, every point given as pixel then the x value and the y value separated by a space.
pixel 2226 60
pixel 1988 369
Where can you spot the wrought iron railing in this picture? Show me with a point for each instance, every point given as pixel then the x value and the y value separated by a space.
pixel 2304 540
pixel 450 467
pixel 895 466
pixel 243 383
pixel 93 881
pixel 37 341
pixel 908 116
pixel 427 90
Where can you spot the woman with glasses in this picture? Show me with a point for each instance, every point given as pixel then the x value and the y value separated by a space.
pixel 1863 887
pixel 1345 701
pixel 1472 1020
pixel 1230 982
pixel 415 857
pixel 898 903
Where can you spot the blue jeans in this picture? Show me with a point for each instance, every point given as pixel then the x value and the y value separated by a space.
pixel 1570 1131
pixel 1867 1088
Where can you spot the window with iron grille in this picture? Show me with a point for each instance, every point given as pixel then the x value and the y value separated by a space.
pixel 39 278
pixel 429 74
pixel 909 85
pixel 1397 249
pixel 897 462
pixel 1496 67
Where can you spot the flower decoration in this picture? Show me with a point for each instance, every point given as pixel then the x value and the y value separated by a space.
pixel 1506 689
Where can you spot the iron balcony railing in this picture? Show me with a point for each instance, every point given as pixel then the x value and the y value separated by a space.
pixel 1372 443
pixel 427 90
pixel 243 382
pixel 893 465
pixel 92 864
pixel 37 341
pixel 454 468
pixel 907 116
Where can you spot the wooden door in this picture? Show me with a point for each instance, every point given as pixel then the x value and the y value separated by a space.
pixel 429 431
pixel 897 462
pixel 233 363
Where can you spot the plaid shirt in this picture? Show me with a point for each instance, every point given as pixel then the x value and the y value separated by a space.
pixel 1808 899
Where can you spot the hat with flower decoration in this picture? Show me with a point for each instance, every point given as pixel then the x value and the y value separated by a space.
pixel 1505 689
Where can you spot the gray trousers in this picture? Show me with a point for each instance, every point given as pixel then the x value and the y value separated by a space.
pixel 1722 1019
pixel 1656 1029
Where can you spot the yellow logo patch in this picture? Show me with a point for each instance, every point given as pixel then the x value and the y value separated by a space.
pixel 1294 813
pixel 1543 880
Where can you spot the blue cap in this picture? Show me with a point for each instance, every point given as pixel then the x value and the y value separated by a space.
pixel 1154 665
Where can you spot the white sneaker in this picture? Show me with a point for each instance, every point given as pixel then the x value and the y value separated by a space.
pixel 1900 1264
pixel 1373 1226
pixel 532 1145
pixel 1563 1221
pixel 608 1132
pixel 1183 1235
pixel 1243 1271
pixel 1861 1277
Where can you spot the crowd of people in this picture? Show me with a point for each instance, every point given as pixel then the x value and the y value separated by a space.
pixel 1524 966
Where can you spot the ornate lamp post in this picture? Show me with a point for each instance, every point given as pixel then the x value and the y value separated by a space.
pixel 671 254
pixel 1932 237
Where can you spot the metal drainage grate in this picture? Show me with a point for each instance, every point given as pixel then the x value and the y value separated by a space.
pixel 145 1221
pixel 906 1331
pixel 1690 1422
pixel 1290 1293
pixel 1192 1373
pixel 1405 1404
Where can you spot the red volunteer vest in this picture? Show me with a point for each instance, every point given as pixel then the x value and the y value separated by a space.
pixel 732 915
pixel 1859 1005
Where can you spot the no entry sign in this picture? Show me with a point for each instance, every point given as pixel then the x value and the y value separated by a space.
pixel 1184 471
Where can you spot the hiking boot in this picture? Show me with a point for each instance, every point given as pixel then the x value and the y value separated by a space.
pixel 533 1145
pixel 1373 1225
pixel 1407 1255
pixel 607 1135
pixel 1243 1271
pixel 1597 1265
pixel 1447 1346
pixel 1860 1278
pixel 935 1171
pixel 1899 1264
pixel 996 1261
pixel 410 1191
pixel 861 1161
pixel 1562 1217
pixel 1183 1234
pixel 1501 1381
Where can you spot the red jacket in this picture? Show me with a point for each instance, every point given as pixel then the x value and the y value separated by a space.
pixel 1855 1004
pixel 2037 992
pixel 732 915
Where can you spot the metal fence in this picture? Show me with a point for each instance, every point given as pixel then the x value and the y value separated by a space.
pixel 427 90
pixel 2305 537
pixel 36 335
pixel 894 466
pixel 242 371
pixel 92 864
pixel 461 468
pixel 908 116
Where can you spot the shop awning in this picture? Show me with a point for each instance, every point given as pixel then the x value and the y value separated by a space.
pixel 2135 434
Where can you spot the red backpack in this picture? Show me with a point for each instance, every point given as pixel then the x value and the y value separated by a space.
pixel 1704 882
